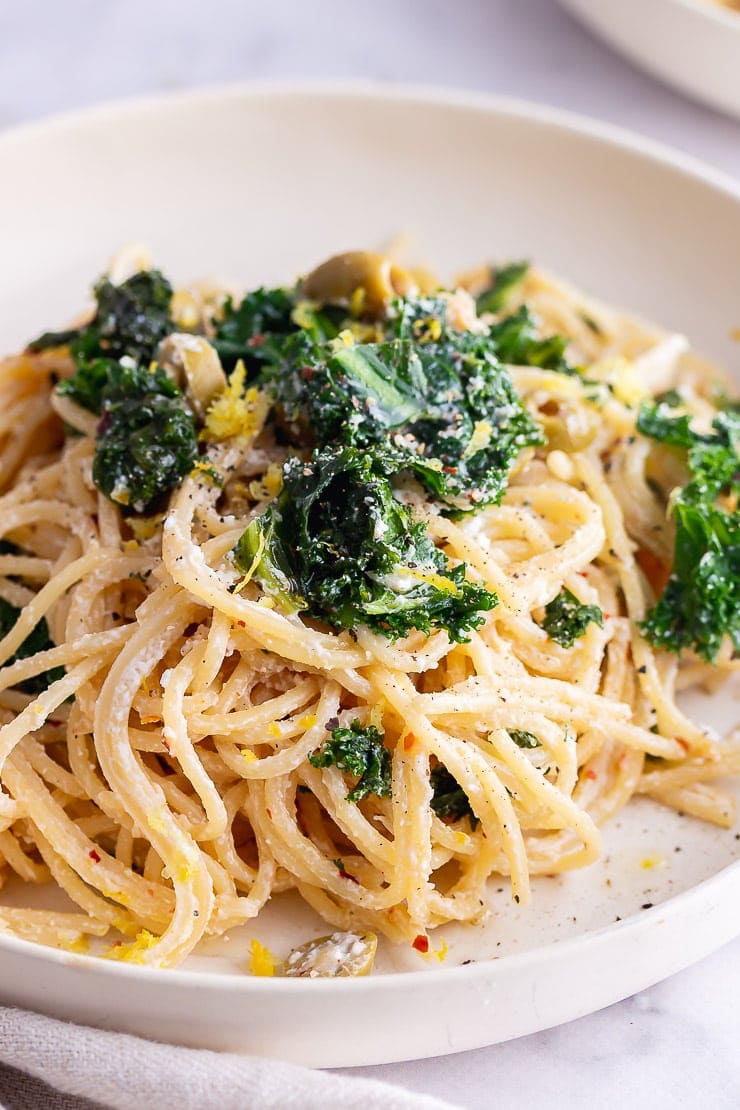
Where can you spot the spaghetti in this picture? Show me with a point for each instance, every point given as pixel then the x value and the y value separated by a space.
pixel 165 774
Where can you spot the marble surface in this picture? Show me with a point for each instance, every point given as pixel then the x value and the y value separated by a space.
pixel 674 1045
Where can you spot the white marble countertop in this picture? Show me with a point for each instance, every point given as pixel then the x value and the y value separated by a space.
pixel 676 1044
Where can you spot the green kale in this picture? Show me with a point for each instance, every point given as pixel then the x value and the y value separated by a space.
pixel 36 641
pixel 438 400
pixel 338 544
pixel 503 283
pixel 517 342
pixel 358 750
pixel 130 320
pixel 88 382
pixel 701 600
pixel 566 619
pixel 254 329
pixel 449 800
pixel 712 457
pixel 524 739
pixel 146 442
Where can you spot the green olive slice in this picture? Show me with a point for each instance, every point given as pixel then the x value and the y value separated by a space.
pixel 337 955
pixel 378 279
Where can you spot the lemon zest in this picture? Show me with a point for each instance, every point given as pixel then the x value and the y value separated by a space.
pixel 261 960
pixel 437 580
pixel 481 437
pixel 235 413
pixel 133 951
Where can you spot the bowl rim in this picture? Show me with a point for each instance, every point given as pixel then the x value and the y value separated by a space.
pixel 419 93
pixel 517 109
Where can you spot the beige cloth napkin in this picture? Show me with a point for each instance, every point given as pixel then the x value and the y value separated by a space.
pixel 54 1065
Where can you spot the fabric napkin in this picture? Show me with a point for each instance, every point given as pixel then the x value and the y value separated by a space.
pixel 55 1065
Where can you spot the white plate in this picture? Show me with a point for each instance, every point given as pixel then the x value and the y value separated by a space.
pixel 259 184
pixel 692 44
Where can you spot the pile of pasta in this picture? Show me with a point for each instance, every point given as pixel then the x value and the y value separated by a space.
pixel 162 782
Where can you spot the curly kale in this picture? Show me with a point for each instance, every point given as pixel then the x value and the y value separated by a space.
pixel 130 320
pixel 437 400
pixel 701 600
pixel 566 619
pixel 337 544
pixel 449 800
pixel 146 442
pixel 517 342
pixel 254 329
pixel 37 640
pixel 524 739
pixel 700 604
pixel 358 750
pixel 504 281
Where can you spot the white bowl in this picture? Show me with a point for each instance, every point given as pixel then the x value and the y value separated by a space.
pixel 258 184
pixel 692 44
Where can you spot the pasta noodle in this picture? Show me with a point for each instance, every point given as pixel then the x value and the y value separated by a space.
pixel 162 781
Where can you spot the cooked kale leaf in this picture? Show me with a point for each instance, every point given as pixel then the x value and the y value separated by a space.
pixel 566 619
pixel 338 544
pixel 254 329
pixel 438 399
pixel 129 322
pixel 524 739
pixel 449 800
pixel 87 384
pixel 701 600
pixel 37 640
pixel 146 441
pixel 358 750
pixel 517 342
pixel 130 319
pixel 700 604
pixel 504 281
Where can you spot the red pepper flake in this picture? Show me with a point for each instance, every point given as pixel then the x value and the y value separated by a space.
pixel 421 943
pixel 345 874
pixel 684 744
pixel 408 741
pixel 591 774
pixel 242 624
pixel 94 856
pixel 449 469
pixel 256 340
pixel 53 722
pixel 269 813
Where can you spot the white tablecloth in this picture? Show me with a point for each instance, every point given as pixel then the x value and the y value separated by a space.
pixel 676 1044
